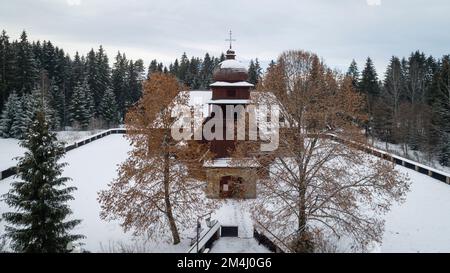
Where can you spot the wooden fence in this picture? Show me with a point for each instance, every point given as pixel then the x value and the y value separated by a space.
pixel 410 164
pixel 12 170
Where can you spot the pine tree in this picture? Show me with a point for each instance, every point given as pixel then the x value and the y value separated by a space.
pixel 393 91
pixel 22 118
pixel 103 76
pixel 369 80
pixel 441 111
pixel 222 57
pixel 56 104
pixel 254 72
pixel 152 68
pixel 93 72
pixel 39 223
pixel 135 79
pixel 192 79
pixel 175 69
pixel 184 68
pixel 81 106
pixel 119 83
pixel 25 71
pixel 353 73
pixel 78 68
pixel 9 115
pixel 108 108
pixel 369 86
pixel 6 68
pixel 206 72
pixel 49 59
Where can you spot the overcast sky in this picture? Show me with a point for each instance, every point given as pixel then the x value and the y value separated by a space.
pixel 337 30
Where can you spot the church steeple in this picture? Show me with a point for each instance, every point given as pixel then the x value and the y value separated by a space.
pixel 230 52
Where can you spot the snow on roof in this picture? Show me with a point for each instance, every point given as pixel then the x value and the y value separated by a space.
pixel 197 97
pixel 232 64
pixel 229 162
pixel 229 101
pixel 231 84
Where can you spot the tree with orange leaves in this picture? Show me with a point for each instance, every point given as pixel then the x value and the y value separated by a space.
pixel 155 192
pixel 313 190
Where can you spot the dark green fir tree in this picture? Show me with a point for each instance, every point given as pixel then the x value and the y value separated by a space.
pixel 39 199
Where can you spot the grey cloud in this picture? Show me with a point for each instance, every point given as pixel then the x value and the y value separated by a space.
pixel 336 30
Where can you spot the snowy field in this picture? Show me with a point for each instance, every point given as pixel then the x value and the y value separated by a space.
pixel 10 148
pixel 421 224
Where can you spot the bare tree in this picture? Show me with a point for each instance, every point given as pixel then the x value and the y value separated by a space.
pixel 155 192
pixel 314 188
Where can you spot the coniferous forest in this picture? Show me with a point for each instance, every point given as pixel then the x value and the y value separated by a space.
pixel 408 105
pixel 82 91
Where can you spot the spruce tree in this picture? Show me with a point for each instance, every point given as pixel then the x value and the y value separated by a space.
pixel 369 86
pixel 103 76
pixel 81 106
pixel 184 68
pixel 108 108
pixel 206 72
pixel 119 82
pixel 369 80
pixel 254 72
pixel 22 118
pixel 175 69
pixel 40 197
pixel 55 98
pixel 9 115
pixel 353 73
pixel 441 111
pixel 6 68
pixel 26 73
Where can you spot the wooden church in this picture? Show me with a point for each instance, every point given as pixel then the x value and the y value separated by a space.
pixel 227 178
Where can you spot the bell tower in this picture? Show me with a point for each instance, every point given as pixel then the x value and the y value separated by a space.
pixel 230 88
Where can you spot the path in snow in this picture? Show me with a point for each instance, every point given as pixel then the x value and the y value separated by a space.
pixel 235 213
pixel 238 245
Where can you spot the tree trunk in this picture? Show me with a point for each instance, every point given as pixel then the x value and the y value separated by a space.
pixel 171 219
pixel 302 209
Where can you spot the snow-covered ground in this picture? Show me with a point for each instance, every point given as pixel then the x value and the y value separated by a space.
pixel 421 224
pixel 235 213
pixel 238 245
pixel 10 148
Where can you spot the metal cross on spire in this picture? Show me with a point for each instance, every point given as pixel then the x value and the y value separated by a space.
pixel 230 39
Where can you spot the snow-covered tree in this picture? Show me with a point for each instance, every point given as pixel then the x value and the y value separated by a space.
pixel 56 100
pixel 108 108
pixel 39 222
pixel 82 105
pixel 9 115
pixel 23 116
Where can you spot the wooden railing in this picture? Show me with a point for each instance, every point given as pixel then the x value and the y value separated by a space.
pixel 206 239
pixel 12 170
pixel 418 167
